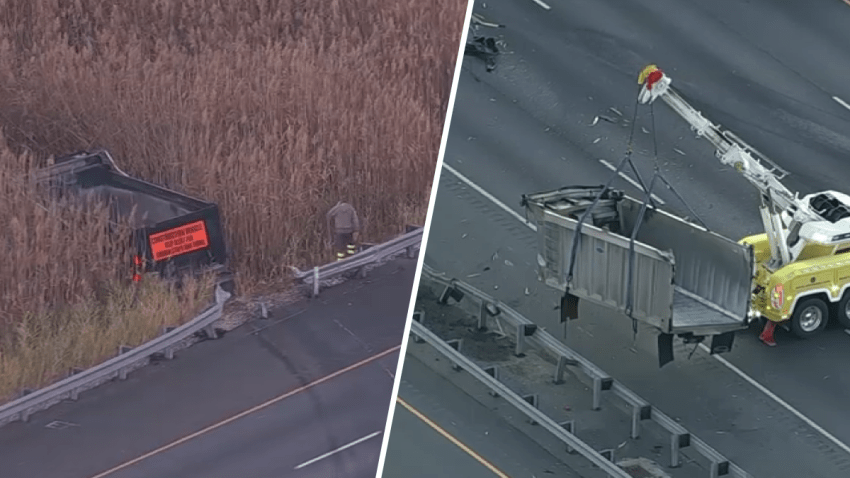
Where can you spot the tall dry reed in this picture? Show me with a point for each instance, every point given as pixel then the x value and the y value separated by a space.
pixel 274 110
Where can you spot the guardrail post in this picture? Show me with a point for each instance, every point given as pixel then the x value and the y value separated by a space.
pixel 211 332
pixel 677 442
pixel 25 415
pixel 597 393
pixel 315 282
pixel 455 344
pixel 534 400
pixel 122 373
pixel 487 309
pixel 570 427
pixel 493 371
pixel 721 468
pixel 418 316
pixel 523 331
pixel 600 384
pixel 561 368
pixel 450 292
pixel 74 393
pixel 639 413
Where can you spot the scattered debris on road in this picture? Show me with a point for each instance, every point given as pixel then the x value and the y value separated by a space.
pixel 482 47
pixel 479 20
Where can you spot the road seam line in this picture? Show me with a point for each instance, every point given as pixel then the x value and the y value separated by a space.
pixel 247 412
pixel 333 452
pixel 451 438
pixel 630 180
pixel 723 361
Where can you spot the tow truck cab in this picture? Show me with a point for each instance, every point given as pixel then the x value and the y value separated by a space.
pixel 805 294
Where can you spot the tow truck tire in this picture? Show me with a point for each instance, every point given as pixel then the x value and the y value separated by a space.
pixel 842 312
pixel 810 318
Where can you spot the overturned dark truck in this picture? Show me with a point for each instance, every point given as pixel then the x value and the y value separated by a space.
pixel 173 234
pixel 675 276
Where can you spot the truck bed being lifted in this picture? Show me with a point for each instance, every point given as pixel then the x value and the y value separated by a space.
pixel 686 281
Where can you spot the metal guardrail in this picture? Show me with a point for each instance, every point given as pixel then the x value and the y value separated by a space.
pixel 119 366
pixel 407 242
pixel 128 360
pixel 518 402
pixel 528 333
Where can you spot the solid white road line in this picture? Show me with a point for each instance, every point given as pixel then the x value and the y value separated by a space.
pixel 547 7
pixel 333 452
pixel 489 196
pixel 841 102
pixel 630 180
pixel 778 400
pixel 720 359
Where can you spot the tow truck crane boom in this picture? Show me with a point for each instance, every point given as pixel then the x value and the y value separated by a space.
pixel 783 213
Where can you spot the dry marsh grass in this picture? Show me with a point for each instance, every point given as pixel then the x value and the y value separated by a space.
pixel 274 110
pixel 42 347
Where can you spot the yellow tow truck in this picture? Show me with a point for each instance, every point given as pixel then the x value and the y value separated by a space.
pixel 802 267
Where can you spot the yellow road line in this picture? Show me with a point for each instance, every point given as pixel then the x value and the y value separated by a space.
pixel 452 439
pixel 247 412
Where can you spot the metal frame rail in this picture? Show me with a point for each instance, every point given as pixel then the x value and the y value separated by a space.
pixel 408 243
pixel 528 333
pixel 518 402
pixel 127 360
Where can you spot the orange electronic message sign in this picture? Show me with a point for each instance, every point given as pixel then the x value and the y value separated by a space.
pixel 180 240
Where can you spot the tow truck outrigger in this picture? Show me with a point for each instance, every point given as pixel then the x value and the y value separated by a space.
pixel 802 270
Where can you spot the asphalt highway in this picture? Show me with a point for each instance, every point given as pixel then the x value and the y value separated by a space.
pixel 304 393
pixel 769 72
pixel 440 430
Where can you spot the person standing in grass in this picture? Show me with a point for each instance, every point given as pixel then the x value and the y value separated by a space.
pixel 343 225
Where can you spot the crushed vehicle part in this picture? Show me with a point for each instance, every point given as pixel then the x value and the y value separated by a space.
pixel 482 47
pixel 173 233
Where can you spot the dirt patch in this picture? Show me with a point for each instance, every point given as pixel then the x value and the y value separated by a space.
pixel 450 322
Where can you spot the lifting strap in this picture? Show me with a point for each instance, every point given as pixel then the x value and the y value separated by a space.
pixel 574 247
pixel 647 200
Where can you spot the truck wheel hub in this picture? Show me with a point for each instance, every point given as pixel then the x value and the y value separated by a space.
pixel 810 319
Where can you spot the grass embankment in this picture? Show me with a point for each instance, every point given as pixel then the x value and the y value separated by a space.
pixel 274 110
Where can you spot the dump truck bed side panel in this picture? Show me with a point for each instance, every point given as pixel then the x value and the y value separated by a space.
pixel 685 278
pixel 601 271
pixel 716 271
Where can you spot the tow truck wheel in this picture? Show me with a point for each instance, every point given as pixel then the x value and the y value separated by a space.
pixel 843 312
pixel 810 317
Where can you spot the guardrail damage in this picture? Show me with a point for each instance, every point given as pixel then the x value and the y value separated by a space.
pixel 528 367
